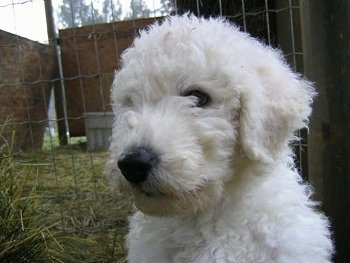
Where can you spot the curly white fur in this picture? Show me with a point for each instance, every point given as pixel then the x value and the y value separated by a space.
pixel 224 188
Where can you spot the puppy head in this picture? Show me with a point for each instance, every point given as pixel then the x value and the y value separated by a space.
pixel 192 97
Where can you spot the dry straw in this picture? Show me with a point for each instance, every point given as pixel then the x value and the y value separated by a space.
pixel 77 219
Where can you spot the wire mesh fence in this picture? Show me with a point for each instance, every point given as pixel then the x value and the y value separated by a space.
pixel 55 109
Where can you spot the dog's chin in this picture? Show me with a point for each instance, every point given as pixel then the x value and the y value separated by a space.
pixel 163 205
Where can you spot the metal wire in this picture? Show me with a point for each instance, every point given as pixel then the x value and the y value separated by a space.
pixel 246 12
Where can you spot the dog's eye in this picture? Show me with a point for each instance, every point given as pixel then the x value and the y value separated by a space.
pixel 201 97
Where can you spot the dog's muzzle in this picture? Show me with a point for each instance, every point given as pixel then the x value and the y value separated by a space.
pixel 136 164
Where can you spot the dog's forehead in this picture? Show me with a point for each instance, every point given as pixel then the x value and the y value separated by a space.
pixel 188 41
pixel 174 57
pixel 181 53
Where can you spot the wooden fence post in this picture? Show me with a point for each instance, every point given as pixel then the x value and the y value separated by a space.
pixel 61 116
pixel 326 47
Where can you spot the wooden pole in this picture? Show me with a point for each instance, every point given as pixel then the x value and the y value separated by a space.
pixel 58 85
pixel 50 24
pixel 326 47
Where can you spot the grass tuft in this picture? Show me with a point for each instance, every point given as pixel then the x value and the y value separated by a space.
pixel 56 206
pixel 21 239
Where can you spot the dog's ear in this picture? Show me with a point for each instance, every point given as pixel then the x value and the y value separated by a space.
pixel 275 102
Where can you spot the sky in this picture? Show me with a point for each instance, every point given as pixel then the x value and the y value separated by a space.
pixel 27 17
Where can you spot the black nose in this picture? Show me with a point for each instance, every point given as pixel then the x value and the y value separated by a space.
pixel 136 164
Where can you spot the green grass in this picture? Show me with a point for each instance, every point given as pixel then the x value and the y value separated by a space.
pixel 77 214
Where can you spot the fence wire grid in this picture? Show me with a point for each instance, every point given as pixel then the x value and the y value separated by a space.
pixel 55 109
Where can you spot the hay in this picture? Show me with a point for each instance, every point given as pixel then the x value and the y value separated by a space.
pixel 22 239
pixel 77 215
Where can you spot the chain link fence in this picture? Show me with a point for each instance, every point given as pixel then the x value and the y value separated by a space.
pixel 57 60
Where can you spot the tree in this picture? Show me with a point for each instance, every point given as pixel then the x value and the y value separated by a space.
pixel 166 7
pixel 111 11
pixel 139 9
pixel 75 13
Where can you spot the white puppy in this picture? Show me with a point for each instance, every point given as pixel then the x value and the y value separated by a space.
pixel 204 118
